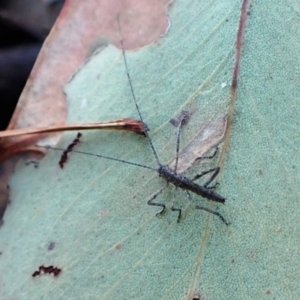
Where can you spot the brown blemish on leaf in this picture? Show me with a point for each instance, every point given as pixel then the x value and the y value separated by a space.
pixel 183 118
pixel 47 270
pixel 118 246
pixel 207 138
pixel 65 155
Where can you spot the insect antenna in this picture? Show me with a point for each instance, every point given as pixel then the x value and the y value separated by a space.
pixel 133 94
pixel 183 120
pixel 101 156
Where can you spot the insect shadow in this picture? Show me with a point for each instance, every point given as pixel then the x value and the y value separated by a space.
pixel 170 175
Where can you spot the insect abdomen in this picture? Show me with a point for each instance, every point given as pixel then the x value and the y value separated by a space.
pixel 186 184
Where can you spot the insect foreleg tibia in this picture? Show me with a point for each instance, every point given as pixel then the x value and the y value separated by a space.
pixel 149 202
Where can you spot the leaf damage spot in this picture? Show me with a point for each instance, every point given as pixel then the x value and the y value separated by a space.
pixel 183 118
pixel 47 270
pixel 51 246
pixel 32 163
pixel 208 137
pixel 118 246
pixel 194 295
pixel 65 155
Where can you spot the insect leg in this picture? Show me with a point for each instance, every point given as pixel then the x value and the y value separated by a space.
pixel 196 206
pixel 208 182
pixel 209 157
pixel 216 170
pixel 212 212
pixel 179 212
pixel 149 202
pixel 181 123
pixel 173 208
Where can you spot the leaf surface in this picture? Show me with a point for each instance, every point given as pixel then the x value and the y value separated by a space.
pixel 91 219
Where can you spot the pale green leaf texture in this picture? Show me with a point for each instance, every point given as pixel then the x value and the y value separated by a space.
pixel 108 241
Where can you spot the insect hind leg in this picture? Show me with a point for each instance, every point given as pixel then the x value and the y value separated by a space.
pixel 150 201
pixel 212 212
pixel 196 206
pixel 173 208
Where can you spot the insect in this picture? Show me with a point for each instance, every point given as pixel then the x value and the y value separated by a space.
pixel 170 175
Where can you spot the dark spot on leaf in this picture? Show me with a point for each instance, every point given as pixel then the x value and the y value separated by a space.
pixel 47 270
pixel 184 117
pixel 268 292
pixel 32 162
pixel 196 296
pixel 118 246
pixel 66 153
pixel 51 246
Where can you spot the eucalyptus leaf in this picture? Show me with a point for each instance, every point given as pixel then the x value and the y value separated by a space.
pixel 91 219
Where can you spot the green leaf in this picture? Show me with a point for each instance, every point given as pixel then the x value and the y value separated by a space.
pixel 91 219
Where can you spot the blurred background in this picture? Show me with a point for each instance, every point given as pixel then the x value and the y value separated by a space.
pixel 24 25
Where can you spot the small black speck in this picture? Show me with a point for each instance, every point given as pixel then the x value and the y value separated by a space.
pixel 51 246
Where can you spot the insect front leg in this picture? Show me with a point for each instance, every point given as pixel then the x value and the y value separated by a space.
pixel 149 202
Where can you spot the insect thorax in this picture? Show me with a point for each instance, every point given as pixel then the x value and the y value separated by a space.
pixel 170 175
